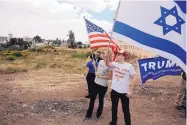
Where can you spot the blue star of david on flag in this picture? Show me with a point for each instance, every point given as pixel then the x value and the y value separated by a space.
pixel 162 20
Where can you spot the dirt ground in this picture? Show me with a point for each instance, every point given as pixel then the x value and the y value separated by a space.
pixel 48 97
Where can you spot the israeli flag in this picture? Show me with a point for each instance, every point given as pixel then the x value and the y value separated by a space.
pixel 155 26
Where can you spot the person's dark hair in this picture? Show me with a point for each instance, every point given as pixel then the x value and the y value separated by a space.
pixel 99 52
pixel 92 56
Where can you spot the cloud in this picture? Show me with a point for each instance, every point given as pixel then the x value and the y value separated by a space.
pixel 113 4
pixel 94 5
pixel 47 18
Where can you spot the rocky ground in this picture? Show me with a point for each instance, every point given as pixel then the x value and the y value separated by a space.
pixel 49 97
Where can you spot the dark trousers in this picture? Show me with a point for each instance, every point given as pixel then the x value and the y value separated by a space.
pixel 101 91
pixel 115 96
pixel 90 82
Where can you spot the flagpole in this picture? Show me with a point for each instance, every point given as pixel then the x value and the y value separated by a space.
pixel 115 17
pixel 113 26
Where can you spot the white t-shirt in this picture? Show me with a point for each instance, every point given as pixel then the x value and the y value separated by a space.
pixel 102 69
pixel 121 76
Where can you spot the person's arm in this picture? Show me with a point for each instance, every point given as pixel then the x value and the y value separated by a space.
pixel 109 60
pixel 95 64
pixel 87 69
pixel 132 85
pixel 132 81
pixel 103 77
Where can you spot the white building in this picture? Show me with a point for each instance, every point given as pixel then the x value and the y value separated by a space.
pixel 3 39
pixel 64 43
pixel 10 36
pixel 27 39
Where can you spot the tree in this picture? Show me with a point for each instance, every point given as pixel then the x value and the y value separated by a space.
pixel 16 44
pixel 58 42
pixel 13 41
pixel 79 44
pixel 38 39
pixel 71 40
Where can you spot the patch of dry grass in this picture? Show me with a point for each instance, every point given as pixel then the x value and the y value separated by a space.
pixel 63 59
pixel 66 60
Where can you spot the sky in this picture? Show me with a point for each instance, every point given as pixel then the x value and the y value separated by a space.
pixel 52 19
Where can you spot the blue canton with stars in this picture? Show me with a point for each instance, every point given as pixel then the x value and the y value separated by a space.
pixel 92 27
pixel 162 20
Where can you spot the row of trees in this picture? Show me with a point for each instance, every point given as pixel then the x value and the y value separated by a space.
pixel 19 43
pixel 71 43
pixel 16 43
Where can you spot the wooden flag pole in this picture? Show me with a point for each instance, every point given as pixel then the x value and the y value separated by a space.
pixel 112 30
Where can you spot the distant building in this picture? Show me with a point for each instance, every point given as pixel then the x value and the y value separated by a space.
pixel 64 43
pixel 40 44
pixel 3 39
pixel 85 45
pixel 134 50
pixel 27 39
pixel 10 36
pixel 44 41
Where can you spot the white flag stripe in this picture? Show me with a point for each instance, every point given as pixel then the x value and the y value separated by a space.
pixel 93 33
pixel 99 38
pixel 101 44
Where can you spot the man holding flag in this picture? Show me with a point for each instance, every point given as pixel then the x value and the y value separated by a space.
pixel 155 26
pixel 122 88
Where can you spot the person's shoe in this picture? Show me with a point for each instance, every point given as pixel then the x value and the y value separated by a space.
pixel 112 123
pixel 183 106
pixel 100 117
pixel 87 118
pixel 87 96
pixel 178 107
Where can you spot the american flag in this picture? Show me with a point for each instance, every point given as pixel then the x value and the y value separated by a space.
pixel 98 37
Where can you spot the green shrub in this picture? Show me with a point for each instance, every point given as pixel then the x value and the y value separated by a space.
pixel 48 47
pixel 5 53
pixel 16 53
pixel 24 53
pixel 11 57
pixel 35 50
pixel 32 49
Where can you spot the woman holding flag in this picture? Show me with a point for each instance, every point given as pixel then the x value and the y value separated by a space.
pixel 100 87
